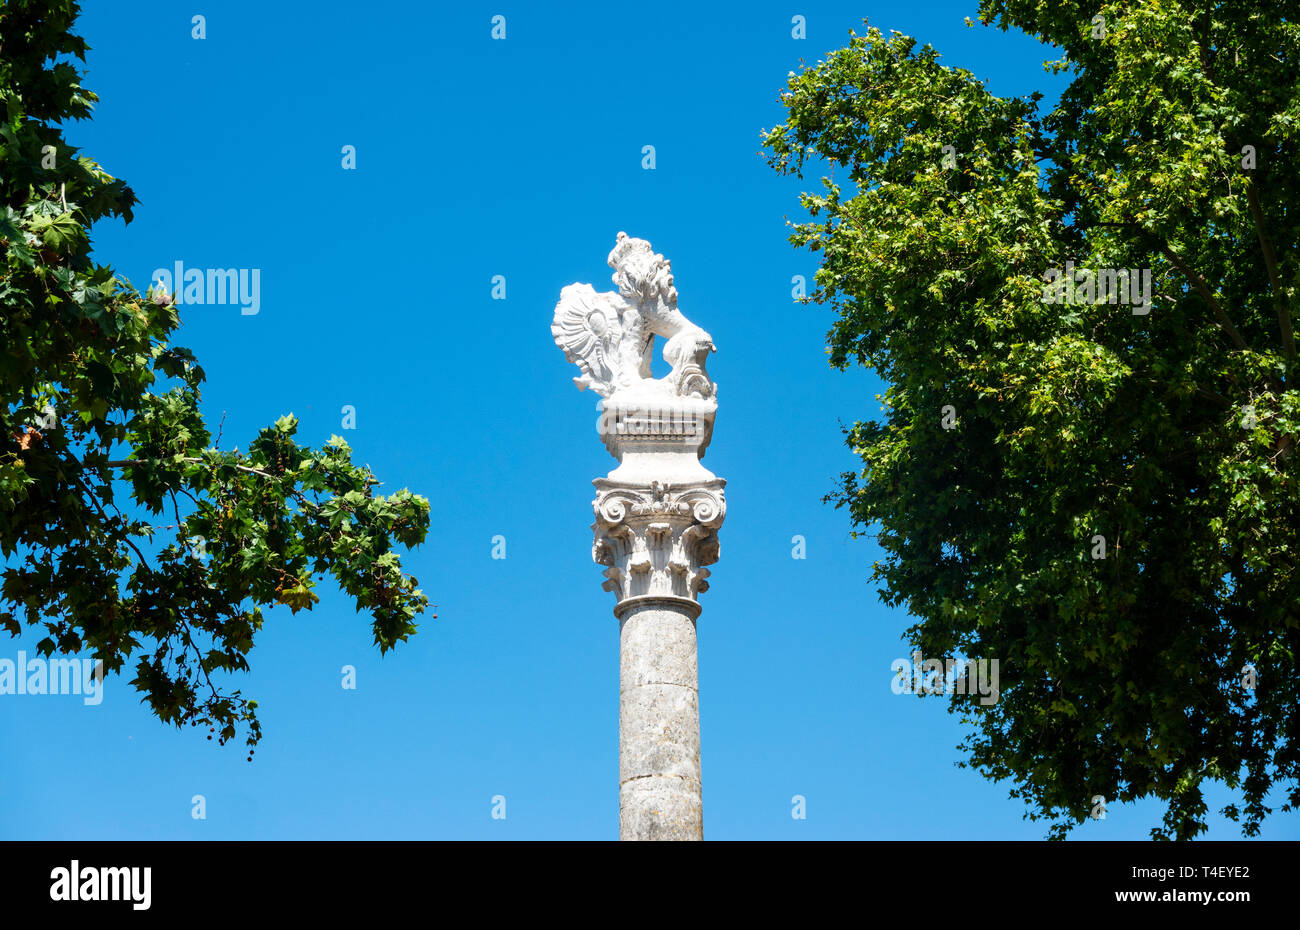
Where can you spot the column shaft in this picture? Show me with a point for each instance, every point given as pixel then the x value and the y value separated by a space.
pixel 659 721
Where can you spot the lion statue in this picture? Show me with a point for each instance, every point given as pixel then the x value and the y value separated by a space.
pixel 610 336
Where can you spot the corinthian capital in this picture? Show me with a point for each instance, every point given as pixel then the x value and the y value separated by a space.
pixel 656 539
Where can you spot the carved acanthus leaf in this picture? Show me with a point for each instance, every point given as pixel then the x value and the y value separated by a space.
pixel 657 540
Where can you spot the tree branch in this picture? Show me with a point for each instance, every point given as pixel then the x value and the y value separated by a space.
pixel 123 463
pixel 1204 290
pixel 1217 398
pixel 1270 262
pixel 1196 281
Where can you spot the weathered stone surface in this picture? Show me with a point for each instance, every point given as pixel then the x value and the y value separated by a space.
pixel 660 808
pixel 657 646
pixel 660 725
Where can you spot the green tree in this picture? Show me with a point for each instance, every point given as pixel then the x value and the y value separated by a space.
pixel 1165 435
pixel 102 443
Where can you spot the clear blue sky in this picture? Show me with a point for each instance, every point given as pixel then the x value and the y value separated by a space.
pixel 519 158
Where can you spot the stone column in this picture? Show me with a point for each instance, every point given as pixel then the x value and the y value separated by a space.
pixel 657 517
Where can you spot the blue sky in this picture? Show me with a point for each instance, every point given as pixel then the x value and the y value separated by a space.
pixel 520 158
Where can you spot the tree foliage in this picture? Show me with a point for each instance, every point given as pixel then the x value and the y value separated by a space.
pixel 1170 434
pixel 125 530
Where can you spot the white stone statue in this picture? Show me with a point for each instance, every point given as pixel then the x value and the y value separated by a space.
pixel 610 336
